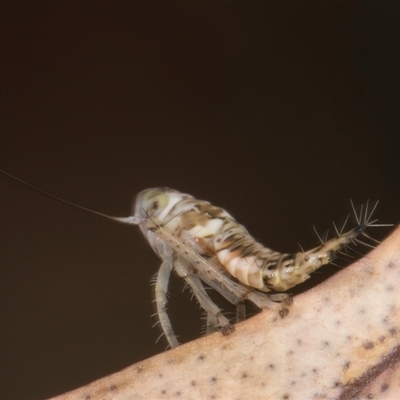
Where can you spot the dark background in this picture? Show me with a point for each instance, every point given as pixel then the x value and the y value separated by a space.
pixel 278 112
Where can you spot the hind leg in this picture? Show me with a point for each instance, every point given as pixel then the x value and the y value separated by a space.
pixel 240 311
pixel 236 293
pixel 215 318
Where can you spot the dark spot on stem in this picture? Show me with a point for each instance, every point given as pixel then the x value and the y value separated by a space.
pixel 393 331
pixel 368 345
pixel 384 387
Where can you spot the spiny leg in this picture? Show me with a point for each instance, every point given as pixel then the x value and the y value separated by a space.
pixel 214 314
pixel 236 293
pixel 211 324
pixel 240 311
pixel 161 289
pixel 209 272
pixel 233 292
pixel 263 300
pixel 212 273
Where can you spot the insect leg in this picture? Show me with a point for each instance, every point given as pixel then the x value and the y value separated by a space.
pixel 240 311
pixel 212 273
pixel 262 301
pixel 231 291
pixel 214 313
pixel 161 288
pixel 236 293
pixel 212 324
pixel 208 271
pixel 281 298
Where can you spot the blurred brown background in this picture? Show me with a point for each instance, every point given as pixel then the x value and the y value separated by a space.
pixel 278 112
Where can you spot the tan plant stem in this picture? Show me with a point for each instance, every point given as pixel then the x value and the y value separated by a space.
pixel 341 340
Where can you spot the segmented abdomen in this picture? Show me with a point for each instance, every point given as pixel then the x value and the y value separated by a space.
pixel 242 255
pixel 213 233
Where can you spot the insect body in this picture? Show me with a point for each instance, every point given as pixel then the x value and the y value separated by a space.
pixel 203 243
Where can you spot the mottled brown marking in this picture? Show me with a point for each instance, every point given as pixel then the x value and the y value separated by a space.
pixel 353 389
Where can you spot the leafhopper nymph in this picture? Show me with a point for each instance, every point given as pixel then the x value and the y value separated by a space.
pixel 204 244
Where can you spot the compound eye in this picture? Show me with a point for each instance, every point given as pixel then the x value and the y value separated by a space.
pixel 152 200
pixel 156 202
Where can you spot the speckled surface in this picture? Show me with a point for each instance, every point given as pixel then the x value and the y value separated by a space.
pixel 341 340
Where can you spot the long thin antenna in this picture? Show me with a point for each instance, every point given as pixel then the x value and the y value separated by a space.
pixel 127 220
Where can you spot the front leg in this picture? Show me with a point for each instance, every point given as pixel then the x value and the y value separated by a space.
pixel 161 289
